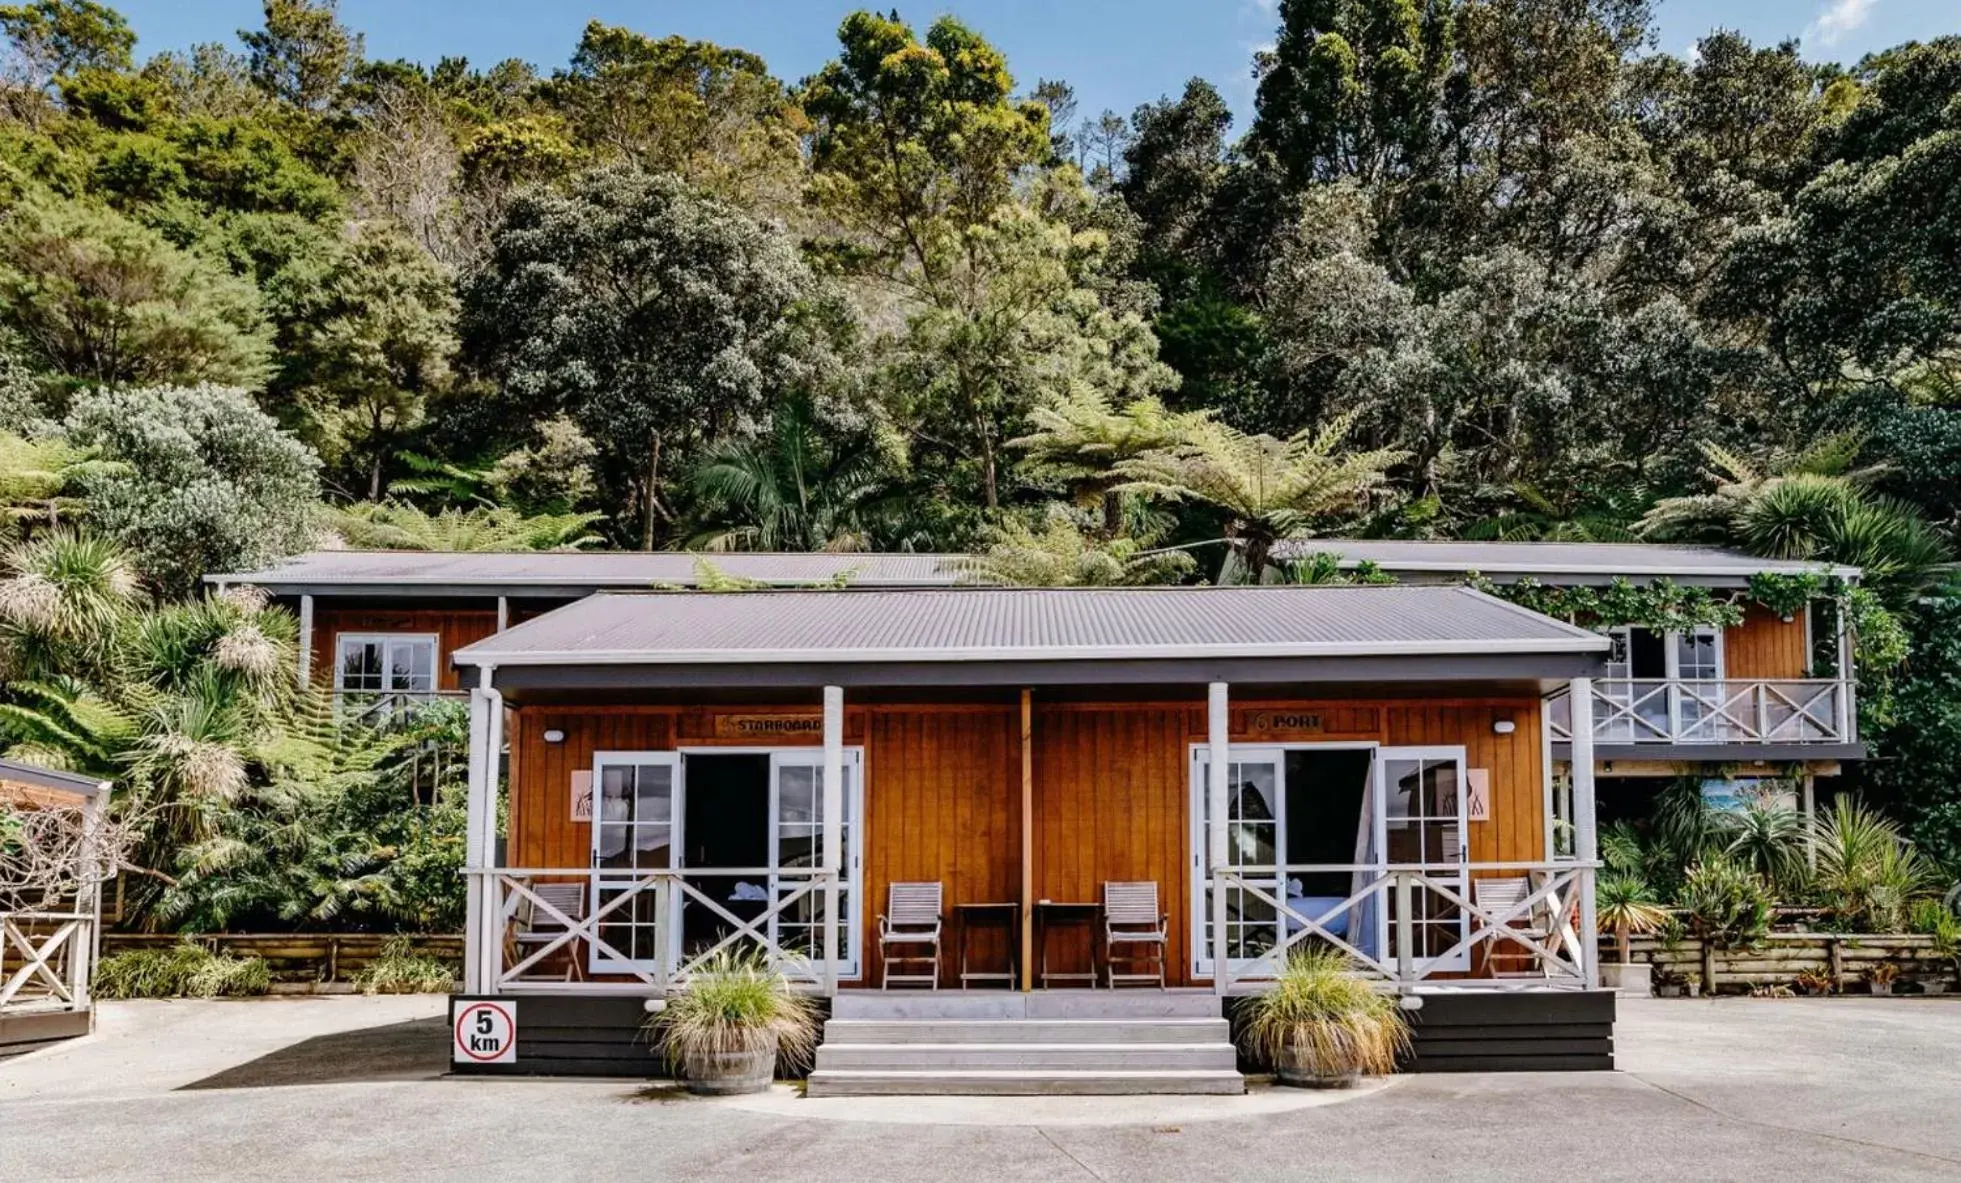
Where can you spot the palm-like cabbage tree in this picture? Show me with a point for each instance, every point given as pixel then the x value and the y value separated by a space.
pixel 795 489
pixel 1812 505
pixel 1084 442
pixel 1269 489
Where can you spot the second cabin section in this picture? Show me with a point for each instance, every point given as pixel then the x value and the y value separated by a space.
pixel 1363 767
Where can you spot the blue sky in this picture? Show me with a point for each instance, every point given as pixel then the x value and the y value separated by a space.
pixel 1117 53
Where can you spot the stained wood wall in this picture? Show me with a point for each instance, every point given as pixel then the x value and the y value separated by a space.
pixel 1765 646
pixel 1110 789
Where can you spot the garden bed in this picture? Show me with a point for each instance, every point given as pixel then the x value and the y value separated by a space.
pixel 299 959
pixel 1780 959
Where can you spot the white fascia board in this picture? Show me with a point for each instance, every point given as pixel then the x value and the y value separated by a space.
pixel 1589 644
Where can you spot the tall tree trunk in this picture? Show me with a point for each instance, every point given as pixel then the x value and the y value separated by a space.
pixel 653 496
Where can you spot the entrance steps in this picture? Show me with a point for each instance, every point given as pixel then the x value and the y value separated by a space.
pixel 1072 1042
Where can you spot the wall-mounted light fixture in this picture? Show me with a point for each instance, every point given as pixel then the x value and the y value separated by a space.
pixel 554 736
pixel 1504 727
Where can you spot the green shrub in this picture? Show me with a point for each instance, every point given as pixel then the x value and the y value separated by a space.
pixel 184 970
pixel 1332 1019
pixel 401 970
pixel 1728 904
pixel 737 1002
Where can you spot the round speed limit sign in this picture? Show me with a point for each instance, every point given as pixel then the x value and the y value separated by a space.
pixel 486 1033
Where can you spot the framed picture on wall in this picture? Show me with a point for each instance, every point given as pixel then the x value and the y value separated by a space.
pixel 1477 794
pixel 582 796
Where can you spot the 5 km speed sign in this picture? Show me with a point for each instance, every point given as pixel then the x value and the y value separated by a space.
pixel 486 1033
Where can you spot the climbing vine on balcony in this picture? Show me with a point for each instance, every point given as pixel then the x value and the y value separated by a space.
pixel 1662 605
pixel 1879 639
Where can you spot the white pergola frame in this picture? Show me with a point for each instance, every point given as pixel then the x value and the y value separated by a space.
pixel 58 947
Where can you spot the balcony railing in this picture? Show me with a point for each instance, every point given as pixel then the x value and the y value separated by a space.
pixel 1687 711
pixel 1412 926
pixel 45 960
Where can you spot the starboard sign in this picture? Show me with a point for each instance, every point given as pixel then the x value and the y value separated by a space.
pixel 767 726
pixel 486 1032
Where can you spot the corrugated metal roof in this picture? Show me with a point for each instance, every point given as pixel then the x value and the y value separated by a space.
pixel 589 569
pixel 1632 559
pixel 15 772
pixel 1053 624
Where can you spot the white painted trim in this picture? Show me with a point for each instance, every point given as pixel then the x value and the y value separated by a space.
pixel 306 642
pixel 1741 574
pixel 435 641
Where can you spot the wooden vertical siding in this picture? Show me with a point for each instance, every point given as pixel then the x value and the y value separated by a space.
pixel 1765 646
pixel 452 627
pixel 1111 790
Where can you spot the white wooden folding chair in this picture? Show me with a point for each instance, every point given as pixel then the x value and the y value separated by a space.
pixel 911 920
pixel 532 927
pixel 1131 919
pixel 1532 927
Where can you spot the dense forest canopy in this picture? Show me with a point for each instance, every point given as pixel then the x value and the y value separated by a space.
pixel 1475 268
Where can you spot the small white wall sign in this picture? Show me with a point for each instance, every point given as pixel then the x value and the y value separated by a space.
pixel 1477 794
pixel 582 796
pixel 486 1032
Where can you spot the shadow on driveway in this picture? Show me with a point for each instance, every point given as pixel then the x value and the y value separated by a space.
pixel 415 1050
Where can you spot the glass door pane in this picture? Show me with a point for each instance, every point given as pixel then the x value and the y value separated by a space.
pixel 632 830
pixel 1699 668
pixel 1255 809
pixel 1423 830
pixel 797 847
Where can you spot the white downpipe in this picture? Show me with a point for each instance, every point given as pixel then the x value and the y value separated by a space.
pixel 305 665
pixel 833 828
pixel 1219 755
pixel 1586 837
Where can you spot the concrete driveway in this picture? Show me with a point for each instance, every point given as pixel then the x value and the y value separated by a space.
pixel 350 1088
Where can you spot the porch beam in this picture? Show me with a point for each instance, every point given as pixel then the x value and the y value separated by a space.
pixel 1219 753
pixel 1027 840
pixel 1586 837
pixel 833 827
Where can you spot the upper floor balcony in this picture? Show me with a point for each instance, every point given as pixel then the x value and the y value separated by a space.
pixel 1715 718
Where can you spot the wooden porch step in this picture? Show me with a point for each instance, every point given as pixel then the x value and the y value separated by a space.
pixel 1028 1031
pixel 1105 1056
pixel 832 1082
pixel 910 1005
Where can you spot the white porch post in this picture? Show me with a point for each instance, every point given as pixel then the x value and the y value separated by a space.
pixel 1219 754
pixel 305 668
pixel 503 613
pixel 833 828
pixel 1586 837
pixel 476 856
pixel 1846 717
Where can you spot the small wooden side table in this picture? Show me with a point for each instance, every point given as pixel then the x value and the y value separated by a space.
pixel 1006 917
pixel 1051 914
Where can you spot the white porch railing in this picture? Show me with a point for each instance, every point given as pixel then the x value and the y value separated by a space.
pixel 1534 942
pixel 1712 711
pixel 562 947
pixel 47 958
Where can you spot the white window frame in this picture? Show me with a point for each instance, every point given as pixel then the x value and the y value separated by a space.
pixel 388 642
pixel 598 961
pixel 1671 652
pixel 851 959
pixel 1461 881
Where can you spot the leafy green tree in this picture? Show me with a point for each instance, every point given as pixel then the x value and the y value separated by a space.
pixel 1082 443
pixel 100 299
pixel 1062 554
pixel 206 481
pixel 369 346
pixel 302 56
pixel 656 318
pixel 51 39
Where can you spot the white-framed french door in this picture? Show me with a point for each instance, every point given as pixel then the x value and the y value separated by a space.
pixel 1421 824
pixel 639 824
pixel 1647 670
pixel 1256 808
pixel 636 827
pixel 796 811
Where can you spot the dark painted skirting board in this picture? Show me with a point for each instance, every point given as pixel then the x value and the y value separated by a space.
pixel 20 1034
pixel 1566 1031
pixel 571 1035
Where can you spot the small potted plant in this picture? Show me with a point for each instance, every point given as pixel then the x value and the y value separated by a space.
pixel 1879 979
pixel 1814 983
pixel 726 1030
pixel 1671 984
pixel 1625 904
pixel 1323 1026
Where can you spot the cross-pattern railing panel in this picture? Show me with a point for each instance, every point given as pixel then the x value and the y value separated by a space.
pixel 589 937
pixel 1409 925
pixel 46 959
pixel 1712 711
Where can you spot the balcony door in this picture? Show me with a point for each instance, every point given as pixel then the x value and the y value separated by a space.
pixel 1663 685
